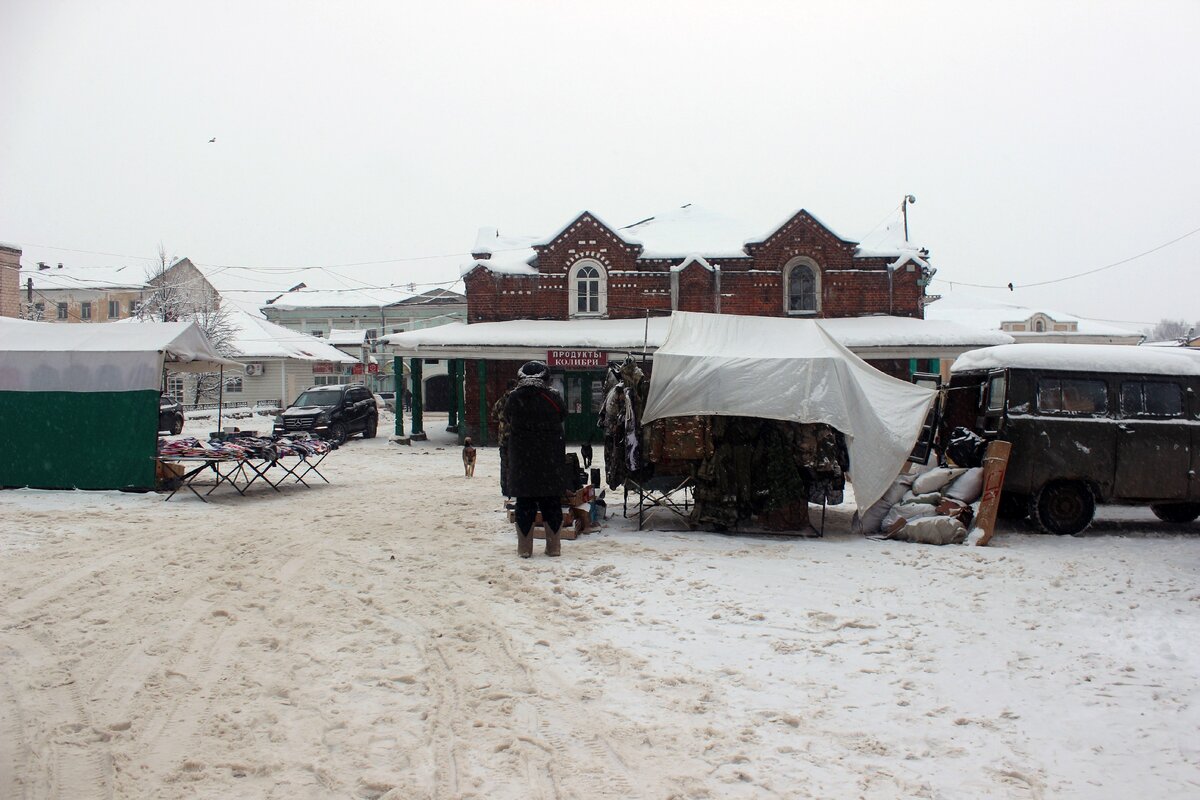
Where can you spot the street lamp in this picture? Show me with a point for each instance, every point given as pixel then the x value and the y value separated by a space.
pixel 908 198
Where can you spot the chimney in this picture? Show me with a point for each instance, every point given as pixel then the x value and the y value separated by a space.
pixel 60 265
pixel 29 290
pixel 43 265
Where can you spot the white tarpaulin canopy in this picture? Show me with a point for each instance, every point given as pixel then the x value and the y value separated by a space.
pixel 789 369
pixel 48 357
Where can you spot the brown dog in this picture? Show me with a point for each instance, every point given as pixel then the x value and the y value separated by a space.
pixel 468 458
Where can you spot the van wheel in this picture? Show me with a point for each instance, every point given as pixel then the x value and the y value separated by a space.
pixel 1013 506
pixel 1063 507
pixel 1177 513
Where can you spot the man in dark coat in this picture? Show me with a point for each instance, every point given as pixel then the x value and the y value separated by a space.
pixel 536 455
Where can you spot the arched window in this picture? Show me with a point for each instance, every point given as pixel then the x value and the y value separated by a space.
pixel 1039 326
pixel 803 286
pixel 588 290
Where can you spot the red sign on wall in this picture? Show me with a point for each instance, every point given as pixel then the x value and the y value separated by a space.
pixel 574 359
pixel 373 368
pixel 322 368
pixel 357 369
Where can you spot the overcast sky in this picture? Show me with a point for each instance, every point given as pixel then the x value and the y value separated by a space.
pixel 1040 139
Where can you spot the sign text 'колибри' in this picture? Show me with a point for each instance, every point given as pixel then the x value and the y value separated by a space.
pixel 574 359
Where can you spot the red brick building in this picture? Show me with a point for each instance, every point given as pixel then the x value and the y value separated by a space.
pixel 690 260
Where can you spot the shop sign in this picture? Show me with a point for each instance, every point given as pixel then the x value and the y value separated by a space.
pixel 574 359
pixel 322 368
pixel 357 369
pixel 373 369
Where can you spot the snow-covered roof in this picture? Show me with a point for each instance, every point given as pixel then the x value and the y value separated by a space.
pixel 339 298
pixel 508 254
pixel 867 335
pixel 255 337
pixel 689 230
pixel 1081 358
pixel 863 332
pixel 968 309
pixel 95 278
pixel 599 334
pixel 347 337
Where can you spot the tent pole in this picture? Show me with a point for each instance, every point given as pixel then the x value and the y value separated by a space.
pixel 220 394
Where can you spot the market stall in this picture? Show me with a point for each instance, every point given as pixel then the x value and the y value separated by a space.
pixel 79 403
pixel 239 461
pixel 735 373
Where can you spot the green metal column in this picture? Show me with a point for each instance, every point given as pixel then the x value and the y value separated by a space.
pixel 912 367
pixel 460 390
pixel 454 375
pixel 418 421
pixel 398 383
pixel 481 372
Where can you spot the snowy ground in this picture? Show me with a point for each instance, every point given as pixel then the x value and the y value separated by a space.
pixel 379 637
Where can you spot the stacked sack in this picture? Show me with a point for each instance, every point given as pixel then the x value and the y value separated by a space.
pixel 932 506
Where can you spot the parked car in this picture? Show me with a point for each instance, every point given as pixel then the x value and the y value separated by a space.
pixel 334 412
pixel 170 415
pixel 1088 424
pixel 389 400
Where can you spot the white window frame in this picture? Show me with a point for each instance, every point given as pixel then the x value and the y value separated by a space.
pixel 573 277
pixel 175 388
pixel 233 384
pixel 114 305
pixel 85 310
pixel 791 265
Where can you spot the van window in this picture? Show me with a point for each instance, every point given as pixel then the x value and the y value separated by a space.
pixel 1151 399
pixel 1072 396
pixel 996 388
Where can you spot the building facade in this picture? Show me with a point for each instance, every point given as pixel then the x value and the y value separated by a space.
pixel 688 260
pixel 10 283
pixel 81 294
pixel 375 313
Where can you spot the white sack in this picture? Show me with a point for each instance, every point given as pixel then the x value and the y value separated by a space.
pixel 935 479
pixel 966 487
pixel 789 369
pixel 907 511
pixel 873 518
pixel 933 530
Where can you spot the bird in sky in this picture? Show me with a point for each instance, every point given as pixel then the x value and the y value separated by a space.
pixel 213 139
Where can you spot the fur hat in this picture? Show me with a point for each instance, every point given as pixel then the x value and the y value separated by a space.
pixel 534 369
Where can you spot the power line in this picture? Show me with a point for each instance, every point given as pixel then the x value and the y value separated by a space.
pixel 1012 286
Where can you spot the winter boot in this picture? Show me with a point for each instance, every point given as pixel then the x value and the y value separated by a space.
pixel 553 543
pixel 524 543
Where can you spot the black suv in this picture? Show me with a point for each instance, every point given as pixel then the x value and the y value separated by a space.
pixel 170 415
pixel 333 412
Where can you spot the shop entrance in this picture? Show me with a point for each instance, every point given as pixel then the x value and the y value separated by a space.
pixel 584 393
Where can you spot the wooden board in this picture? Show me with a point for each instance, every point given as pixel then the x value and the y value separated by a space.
pixel 995 462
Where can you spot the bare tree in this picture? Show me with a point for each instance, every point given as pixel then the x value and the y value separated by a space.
pixel 167 301
pixel 1168 329
pixel 177 297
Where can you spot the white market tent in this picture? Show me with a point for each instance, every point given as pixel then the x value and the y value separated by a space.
pixel 47 357
pixel 789 369
pixel 79 403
